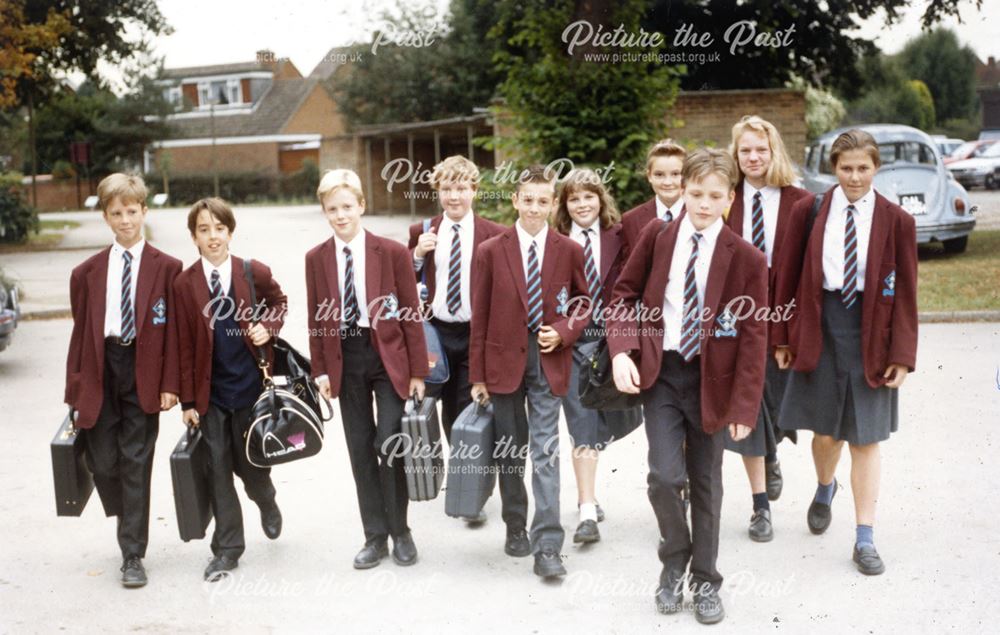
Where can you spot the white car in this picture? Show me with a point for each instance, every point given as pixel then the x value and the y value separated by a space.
pixel 980 171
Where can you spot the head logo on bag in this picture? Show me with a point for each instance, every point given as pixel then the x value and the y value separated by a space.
pixel 273 447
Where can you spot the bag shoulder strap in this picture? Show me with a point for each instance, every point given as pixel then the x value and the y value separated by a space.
pixel 811 220
pixel 248 273
pixel 423 269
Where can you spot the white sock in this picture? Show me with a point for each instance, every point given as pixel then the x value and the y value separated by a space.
pixel 588 511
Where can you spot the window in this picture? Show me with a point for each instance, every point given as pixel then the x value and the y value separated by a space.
pixel 173 95
pixel 906 152
pixel 235 91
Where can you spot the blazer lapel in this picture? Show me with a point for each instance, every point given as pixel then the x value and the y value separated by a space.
pixel 241 291
pixel 202 297
pixel 553 253
pixel 611 243
pixel 512 248
pixel 784 209
pixel 814 250
pixel 665 244
pixel 144 285
pixel 723 255
pixel 430 265
pixel 735 217
pixel 373 273
pixel 876 246
pixel 98 279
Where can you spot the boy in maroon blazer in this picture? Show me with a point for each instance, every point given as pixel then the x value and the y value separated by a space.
pixel 664 163
pixel 122 367
pixel 530 306
pixel 700 370
pixel 448 272
pixel 220 376
pixel 367 345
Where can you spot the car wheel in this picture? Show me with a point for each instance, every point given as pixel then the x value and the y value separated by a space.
pixel 956 245
pixel 991 182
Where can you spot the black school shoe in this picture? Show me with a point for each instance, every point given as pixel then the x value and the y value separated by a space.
pixel 670 593
pixel 760 529
pixel 219 567
pixel 133 573
pixel 586 532
pixel 404 552
pixel 371 555
pixel 772 472
pixel 819 515
pixel 270 520
pixel 548 563
pixel 708 607
pixel 867 560
pixel 517 545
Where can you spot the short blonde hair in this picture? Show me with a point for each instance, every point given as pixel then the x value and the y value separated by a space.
pixel 130 188
pixel 585 179
pixel 664 148
pixel 707 161
pixel 335 179
pixel 455 168
pixel 781 173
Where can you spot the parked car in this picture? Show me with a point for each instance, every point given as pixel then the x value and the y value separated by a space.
pixel 911 175
pixel 968 150
pixel 10 313
pixel 980 171
pixel 946 145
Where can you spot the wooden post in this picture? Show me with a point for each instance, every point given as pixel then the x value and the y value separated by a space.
pixel 388 194
pixel 368 170
pixel 413 197
pixel 437 146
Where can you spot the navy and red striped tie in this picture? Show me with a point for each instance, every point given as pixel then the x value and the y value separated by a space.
pixel 849 290
pixel 690 323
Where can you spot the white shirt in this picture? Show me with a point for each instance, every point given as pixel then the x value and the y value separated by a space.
pixel 577 233
pixel 225 274
pixel 113 287
pixel 833 238
pixel 525 239
pixel 673 299
pixel 770 198
pixel 675 209
pixel 442 256
pixel 357 246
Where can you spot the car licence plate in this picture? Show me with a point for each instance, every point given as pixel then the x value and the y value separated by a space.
pixel 913 204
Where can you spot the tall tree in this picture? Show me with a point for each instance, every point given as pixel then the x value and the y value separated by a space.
pixel 947 68
pixel 581 103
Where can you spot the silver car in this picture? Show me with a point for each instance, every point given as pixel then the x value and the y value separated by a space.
pixel 912 175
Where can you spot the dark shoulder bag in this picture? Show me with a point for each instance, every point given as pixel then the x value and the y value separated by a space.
pixel 287 420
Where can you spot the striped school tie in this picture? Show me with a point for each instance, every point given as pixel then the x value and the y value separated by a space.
pixel 128 315
pixel 590 270
pixel 690 335
pixel 757 223
pixel 455 273
pixel 216 285
pixel 534 290
pixel 849 290
pixel 351 311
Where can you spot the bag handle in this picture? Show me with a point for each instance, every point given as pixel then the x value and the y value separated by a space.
pixel 261 356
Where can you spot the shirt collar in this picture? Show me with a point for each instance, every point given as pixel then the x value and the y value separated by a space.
pixel 357 243
pixel 577 230
pixel 766 192
pixel 466 222
pixel 527 238
pixel 709 235
pixel 865 205
pixel 224 269
pixel 675 209
pixel 135 250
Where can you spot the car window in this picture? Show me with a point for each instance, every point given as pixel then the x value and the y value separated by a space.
pixel 989 150
pixel 906 152
pixel 825 166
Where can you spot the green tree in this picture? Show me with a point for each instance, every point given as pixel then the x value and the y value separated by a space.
pixel 565 106
pixel 891 97
pixel 948 70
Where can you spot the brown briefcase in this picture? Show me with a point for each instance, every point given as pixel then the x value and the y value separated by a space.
pixel 70 475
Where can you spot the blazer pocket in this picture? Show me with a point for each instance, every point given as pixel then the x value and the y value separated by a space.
pixel 494 352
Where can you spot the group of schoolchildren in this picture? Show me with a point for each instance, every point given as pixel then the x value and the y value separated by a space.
pixel 739 308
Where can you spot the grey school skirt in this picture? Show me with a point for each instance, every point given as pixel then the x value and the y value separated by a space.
pixel 767 435
pixel 834 399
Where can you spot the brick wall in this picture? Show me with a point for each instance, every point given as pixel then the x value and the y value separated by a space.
pixel 246 157
pixel 709 115
pixel 317 114
pixel 55 196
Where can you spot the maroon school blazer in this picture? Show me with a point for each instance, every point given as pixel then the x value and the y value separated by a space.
pixel 482 230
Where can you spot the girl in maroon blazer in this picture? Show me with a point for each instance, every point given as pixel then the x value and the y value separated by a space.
pixel 588 215
pixel 853 336
pixel 760 213
pixel 366 342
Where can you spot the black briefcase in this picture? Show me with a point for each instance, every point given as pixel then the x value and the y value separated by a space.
pixel 189 473
pixel 423 461
pixel 73 481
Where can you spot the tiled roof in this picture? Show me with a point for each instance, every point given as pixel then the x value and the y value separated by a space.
pixel 214 69
pixel 272 112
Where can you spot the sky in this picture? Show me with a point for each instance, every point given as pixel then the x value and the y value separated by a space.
pixel 215 32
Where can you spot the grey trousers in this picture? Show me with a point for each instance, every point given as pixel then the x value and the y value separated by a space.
pixel 543 442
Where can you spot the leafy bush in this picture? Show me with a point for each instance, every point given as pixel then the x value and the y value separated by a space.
pixel 242 187
pixel 17 218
